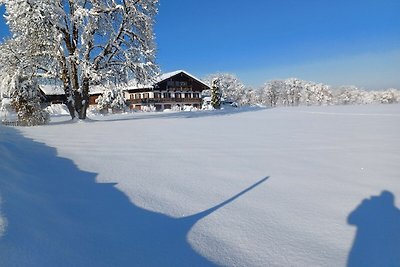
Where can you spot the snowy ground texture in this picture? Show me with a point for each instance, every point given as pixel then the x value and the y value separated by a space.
pixel 189 189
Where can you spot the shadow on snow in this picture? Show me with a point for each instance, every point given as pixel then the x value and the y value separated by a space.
pixel 57 215
pixel 377 241
pixel 163 115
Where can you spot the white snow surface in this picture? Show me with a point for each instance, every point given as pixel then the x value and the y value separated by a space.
pixel 57 109
pixel 155 189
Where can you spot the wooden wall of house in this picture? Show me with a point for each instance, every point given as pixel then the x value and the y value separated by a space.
pixel 93 98
pixel 56 99
pixel 181 82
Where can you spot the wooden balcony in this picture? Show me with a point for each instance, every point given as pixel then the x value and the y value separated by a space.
pixel 180 88
pixel 165 100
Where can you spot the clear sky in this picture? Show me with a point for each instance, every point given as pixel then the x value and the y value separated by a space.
pixel 331 41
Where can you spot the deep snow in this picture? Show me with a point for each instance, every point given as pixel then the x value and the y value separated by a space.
pixel 156 189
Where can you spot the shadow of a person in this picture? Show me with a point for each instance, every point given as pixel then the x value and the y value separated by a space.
pixel 377 241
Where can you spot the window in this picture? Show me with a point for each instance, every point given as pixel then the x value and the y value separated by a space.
pixel 196 95
pixel 178 95
pixel 166 95
pixel 157 95
pixel 146 95
pixel 188 95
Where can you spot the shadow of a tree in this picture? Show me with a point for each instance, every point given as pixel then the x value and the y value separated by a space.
pixel 162 115
pixel 194 114
pixel 59 216
pixel 377 241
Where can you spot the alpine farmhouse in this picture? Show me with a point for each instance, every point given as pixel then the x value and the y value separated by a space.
pixel 174 89
pixel 177 89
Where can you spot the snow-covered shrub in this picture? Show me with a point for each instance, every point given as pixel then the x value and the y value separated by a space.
pixel 150 108
pixel 111 99
pixel 206 103
pixel 57 109
pixel 26 102
pixel 176 108
pixel 5 104
pixel 7 113
pixel 189 108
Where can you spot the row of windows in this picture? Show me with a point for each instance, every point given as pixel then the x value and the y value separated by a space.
pixel 177 83
pixel 166 95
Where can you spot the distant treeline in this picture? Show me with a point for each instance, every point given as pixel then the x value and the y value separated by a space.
pixel 294 92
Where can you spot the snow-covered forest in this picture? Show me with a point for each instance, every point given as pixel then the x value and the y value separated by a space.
pixel 294 92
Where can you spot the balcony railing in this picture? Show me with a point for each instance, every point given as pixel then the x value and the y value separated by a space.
pixel 164 100
pixel 179 88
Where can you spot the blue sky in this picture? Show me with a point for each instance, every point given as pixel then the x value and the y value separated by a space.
pixel 335 42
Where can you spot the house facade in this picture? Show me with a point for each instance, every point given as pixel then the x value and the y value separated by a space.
pixel 174 90
pixel 177 89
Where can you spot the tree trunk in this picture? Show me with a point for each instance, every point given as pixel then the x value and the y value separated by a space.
pixel 68 93
pixel 70 99
pixel 81 92
pixel 71 108
pixel 82 99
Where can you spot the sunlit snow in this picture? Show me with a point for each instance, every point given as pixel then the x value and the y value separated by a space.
pixel 302 186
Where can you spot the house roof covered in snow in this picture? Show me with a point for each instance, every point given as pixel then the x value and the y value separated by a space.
pixel 168 75
pixel 55 90
pixel 134 85
pixel 99 89
pixel 50 90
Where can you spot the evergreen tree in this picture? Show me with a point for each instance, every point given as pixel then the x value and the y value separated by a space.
pixel 215 95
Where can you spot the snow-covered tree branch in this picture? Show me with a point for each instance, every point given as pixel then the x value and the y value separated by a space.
pixel 84 42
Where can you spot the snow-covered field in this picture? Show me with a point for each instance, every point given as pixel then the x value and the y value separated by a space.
pixel 256 187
